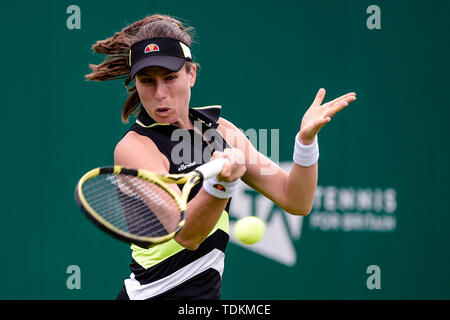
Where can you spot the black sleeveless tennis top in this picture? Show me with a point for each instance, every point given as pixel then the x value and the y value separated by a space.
pixel 168 270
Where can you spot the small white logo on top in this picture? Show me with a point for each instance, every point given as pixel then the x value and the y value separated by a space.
pixel 185 166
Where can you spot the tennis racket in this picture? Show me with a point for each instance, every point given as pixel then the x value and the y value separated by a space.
pixel 138 206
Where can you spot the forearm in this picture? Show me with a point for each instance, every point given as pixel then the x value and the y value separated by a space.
pixel 203 213
pixel 302 180
pixel 294 191
pixel 299 189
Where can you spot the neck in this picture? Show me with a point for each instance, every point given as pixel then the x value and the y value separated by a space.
pixel 184 122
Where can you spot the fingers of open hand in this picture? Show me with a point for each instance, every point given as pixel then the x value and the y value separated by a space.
pixel 319 115
pixel 346 96
pixel 235 167
pixel 338 104
pixel 319 97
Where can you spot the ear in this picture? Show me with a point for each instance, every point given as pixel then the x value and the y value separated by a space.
pixel 192 74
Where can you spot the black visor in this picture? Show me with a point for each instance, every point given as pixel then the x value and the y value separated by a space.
pixel 166 53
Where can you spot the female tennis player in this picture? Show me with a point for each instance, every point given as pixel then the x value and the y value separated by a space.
pixel 154 54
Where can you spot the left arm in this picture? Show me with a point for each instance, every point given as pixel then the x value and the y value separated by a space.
pixel 293 192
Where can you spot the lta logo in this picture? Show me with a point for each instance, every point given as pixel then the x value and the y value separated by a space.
pixel 282 229
pixel 335 209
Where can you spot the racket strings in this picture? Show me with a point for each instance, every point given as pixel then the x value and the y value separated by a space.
pixel 133 205
pixel 131 194
pixel 159 202
pixel 123 187
pixel 135 208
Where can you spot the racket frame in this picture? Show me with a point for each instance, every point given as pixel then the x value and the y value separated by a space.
pixel 190 180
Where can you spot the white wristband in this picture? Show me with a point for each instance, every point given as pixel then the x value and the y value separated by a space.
pixel 220 189
pixel 306 156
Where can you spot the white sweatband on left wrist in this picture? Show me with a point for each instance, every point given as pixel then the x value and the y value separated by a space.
pixel 306 156
pixel 220 189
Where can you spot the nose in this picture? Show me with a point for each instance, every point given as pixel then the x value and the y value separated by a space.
pixel 160 90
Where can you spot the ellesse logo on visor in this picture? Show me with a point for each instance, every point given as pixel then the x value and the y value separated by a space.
pixel 151 48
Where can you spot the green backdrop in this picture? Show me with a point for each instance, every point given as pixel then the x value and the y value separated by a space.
pixel 383 182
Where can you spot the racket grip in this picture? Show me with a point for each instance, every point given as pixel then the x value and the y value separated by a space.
pixel 212 168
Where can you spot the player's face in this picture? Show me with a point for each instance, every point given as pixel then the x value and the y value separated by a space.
pixel 165 95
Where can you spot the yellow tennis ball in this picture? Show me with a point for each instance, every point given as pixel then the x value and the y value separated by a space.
pixel 249 230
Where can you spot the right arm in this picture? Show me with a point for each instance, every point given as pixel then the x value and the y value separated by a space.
pixel 204 210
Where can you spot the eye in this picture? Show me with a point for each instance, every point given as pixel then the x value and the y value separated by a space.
pixel 146 80
pixel 170 77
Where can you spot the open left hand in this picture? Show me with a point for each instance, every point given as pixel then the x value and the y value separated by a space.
pixel 320 114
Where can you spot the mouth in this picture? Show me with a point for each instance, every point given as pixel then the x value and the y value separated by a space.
pixel 162 111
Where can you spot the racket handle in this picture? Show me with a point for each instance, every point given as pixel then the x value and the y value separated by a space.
pixel 212 168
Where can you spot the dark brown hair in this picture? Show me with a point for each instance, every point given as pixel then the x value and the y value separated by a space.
pixel 116 48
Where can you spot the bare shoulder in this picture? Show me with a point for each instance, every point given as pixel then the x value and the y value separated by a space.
pixel 234 136
pixel 228 130
pixel 133 142
pixel 137 151
pixel 225 124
